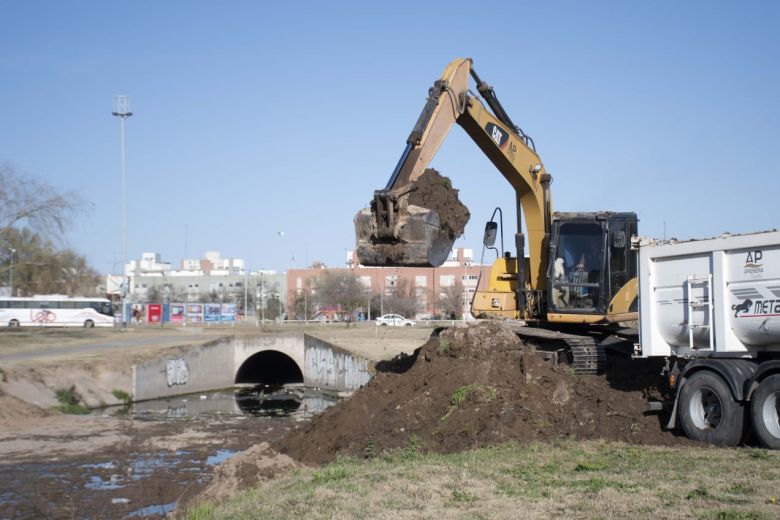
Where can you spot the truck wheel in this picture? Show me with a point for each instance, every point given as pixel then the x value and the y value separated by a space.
pixel 764 413
pixel 708 412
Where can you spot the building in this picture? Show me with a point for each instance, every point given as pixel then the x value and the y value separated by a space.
pixel 199 279
pixel 429 284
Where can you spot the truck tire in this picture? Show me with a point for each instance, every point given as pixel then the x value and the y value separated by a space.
pixel 708 411
pixel 764 413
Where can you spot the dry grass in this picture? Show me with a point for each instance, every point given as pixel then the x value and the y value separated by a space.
pixel 362 336
pixel 559 480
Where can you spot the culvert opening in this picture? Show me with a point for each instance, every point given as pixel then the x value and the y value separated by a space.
pixel 269 367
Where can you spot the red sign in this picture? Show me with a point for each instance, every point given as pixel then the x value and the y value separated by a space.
pixel 154 312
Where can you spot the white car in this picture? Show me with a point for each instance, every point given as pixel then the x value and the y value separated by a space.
pixel 394 320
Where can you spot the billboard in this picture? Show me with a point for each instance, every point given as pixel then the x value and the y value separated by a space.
pixel 212 312
pixel 229 311
pixel 177 313
pixel 154 313
pixel 195 312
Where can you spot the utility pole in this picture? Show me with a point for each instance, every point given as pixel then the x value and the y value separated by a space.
pixel 122 111
pixel 246 293
pixel 11 275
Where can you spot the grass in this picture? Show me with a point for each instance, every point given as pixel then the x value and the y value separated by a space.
pixel 565 478
pixel 123 396
pixel 70 401
pixel 483 394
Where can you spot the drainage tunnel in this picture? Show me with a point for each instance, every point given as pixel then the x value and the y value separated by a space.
pixel 269 367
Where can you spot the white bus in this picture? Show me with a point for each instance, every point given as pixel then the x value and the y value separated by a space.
pixel 55 310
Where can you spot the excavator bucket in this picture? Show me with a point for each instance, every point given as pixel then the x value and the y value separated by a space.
pixel 393 232
pixel 414 225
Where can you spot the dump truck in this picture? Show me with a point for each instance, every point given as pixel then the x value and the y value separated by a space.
pixel 711 308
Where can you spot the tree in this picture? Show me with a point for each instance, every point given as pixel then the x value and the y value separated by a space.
pixel 303 300
pixel 41 268
pixel 401 300
pixel 341 290
pixel 27 202
pixel 450 301
pixel 153 295
pixel 32 216
pixel 273 307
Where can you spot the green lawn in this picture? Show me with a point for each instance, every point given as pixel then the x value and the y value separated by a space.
pixel 556 480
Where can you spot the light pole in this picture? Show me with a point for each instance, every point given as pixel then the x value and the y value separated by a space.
pixel 11 275
pixel 465 290
pixel 246 293
pixel 122 111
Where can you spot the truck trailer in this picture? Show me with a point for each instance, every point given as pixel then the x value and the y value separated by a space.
pixel 712 309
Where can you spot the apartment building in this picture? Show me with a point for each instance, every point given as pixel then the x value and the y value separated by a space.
pixel 429 283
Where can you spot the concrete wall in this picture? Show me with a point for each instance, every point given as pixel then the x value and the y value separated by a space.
pixel 215 365
pixel 197 369
pixel 333 368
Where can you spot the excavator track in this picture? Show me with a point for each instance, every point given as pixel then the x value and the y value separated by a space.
pixel 587 356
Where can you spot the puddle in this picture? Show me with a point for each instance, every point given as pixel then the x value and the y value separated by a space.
pixel 220 457
pixel 159 510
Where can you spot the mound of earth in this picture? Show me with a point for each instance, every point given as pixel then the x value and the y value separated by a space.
pixel 434 191
pixel 245 471
pixel 476 386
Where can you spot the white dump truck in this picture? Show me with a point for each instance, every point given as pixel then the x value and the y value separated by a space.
pixel 712 309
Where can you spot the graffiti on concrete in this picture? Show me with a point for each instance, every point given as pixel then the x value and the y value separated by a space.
pixel 327 369
pixel 176 372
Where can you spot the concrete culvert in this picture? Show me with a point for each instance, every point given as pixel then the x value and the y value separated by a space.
pixel 269 367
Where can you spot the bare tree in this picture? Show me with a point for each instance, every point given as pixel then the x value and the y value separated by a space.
pixel 25 201
pixel 341 290
pixel 450 301
pixel 401 299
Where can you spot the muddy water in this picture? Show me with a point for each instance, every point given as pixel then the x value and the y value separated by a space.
pixel 172 448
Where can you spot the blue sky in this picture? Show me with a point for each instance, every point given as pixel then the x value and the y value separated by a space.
pixel 252 118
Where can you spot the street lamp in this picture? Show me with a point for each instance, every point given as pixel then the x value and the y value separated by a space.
pixel 122 110
pixel 11 275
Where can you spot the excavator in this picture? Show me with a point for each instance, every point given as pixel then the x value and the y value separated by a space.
pixel 578 284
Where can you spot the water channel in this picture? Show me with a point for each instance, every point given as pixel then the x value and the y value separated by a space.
pixel 174 445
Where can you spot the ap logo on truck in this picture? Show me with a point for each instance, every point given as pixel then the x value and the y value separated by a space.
pixel 752 265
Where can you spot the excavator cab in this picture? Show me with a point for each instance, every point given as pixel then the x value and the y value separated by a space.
pixel 589 261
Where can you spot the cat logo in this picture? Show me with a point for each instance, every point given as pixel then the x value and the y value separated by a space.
pixel 498 134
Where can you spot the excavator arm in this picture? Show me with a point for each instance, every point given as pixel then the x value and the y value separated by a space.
pixel 394 232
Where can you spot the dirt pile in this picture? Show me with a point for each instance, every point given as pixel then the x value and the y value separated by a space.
pixel 477 386
pixel 245 471
pixel 434 191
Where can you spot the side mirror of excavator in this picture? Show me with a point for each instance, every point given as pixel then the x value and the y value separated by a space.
pixel 491 231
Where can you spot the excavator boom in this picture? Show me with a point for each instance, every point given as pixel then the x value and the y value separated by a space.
pixel 401 231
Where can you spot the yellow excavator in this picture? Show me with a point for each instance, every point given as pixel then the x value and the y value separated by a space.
pixel 580 274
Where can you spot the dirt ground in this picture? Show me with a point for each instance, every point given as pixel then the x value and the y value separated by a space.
pixel 109 467
pixel 54 465
pixel 472 386
pixel 477 386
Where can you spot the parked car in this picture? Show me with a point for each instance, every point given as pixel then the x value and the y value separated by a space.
pixel 394 320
